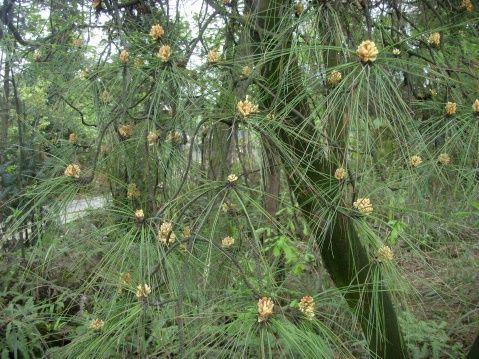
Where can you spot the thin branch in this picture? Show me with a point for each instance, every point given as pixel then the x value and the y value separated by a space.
pixel 77 110
pixel 194 42
pixel 185 175
pixel 6 18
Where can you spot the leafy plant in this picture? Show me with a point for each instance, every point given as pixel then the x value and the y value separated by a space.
pixel 20 335
pixel 428 338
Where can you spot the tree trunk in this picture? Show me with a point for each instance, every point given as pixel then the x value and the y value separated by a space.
pixel 474 351
pixel 5 111
pixel 343 255
pixel 272 178
pixel 21 133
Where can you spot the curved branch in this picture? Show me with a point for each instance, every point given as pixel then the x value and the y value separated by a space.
pixel 6 18
pixel 194 42
pixel 88 179
pixel 187 170
pixel 77 110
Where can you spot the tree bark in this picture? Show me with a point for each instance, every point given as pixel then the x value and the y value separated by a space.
pixel 5 110
pixel 272 178
pixel 474 351
pixel 21 132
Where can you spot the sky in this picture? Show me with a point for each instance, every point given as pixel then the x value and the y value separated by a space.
pixel 187 8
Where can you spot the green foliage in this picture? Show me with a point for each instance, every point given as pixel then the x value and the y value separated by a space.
pixel 173 130
pixel 429 339
pixel 397 228
pixel 21 336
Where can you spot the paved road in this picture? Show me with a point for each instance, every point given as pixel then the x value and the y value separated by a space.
pixel 80 207
pixel 74 210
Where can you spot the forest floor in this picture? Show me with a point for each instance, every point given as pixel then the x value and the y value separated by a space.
pixel 446 280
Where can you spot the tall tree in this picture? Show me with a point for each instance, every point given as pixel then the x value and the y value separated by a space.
pixel 343 253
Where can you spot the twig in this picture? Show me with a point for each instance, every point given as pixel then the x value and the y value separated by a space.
pixel 77 110
pixel 185 175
